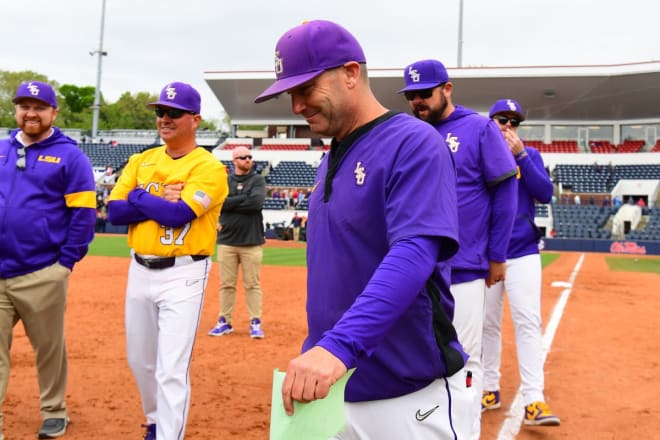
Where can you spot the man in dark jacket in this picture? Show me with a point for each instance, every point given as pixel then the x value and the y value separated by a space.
pixel 241 239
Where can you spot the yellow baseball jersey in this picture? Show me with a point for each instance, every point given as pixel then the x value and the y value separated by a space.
pixel 205 189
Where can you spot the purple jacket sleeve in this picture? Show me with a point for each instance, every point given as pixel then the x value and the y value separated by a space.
pixel 80 233
pixel 170 214
pixel 535 177
pixel 392 288
pixel 504 197
pixel 121 212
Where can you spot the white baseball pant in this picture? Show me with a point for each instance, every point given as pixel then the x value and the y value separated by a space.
pixel 468 322
pixel 163 309
pixel 438 411
pixel 523 289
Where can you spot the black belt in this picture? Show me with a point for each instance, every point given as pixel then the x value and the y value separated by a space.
pixel 163 263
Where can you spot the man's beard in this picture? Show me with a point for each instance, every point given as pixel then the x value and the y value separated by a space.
pixel 434 115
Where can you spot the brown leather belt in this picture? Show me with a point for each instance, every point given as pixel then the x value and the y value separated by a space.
pixel 164 262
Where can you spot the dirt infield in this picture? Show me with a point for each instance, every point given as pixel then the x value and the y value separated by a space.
pixel 599 372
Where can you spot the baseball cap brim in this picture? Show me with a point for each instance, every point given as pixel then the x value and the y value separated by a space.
pixel 420 86
pixel 21 98
pixel 518 115
pixel 285 84
pixel 168 104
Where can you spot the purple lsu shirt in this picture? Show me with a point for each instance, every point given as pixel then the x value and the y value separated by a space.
pixel 483 160
pixel 533 184
pixel 396 181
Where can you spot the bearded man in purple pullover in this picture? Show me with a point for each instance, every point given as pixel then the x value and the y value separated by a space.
pixel 486 190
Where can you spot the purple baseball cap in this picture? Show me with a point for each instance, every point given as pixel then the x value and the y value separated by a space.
pixel 36 90
pixel 179 95
pixel 424 74
pixel 308 50
pixel 507 106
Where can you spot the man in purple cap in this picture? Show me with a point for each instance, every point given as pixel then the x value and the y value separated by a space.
pixel 486 191
pixel 523 280
pixel 374 239
pixel 47 219
pixel 170 198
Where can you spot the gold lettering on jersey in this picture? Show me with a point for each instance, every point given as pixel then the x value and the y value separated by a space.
pixel 49 159
pixel 359 173
pixel 152 187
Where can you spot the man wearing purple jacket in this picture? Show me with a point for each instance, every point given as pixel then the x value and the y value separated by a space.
pixel 486 191
pixel 374 237
pixel 523 281
pixel 47 219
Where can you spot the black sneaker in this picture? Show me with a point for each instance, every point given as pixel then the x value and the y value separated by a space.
pixel 52 428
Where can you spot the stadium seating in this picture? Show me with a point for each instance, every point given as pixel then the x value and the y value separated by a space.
pixel 583 178
pixel 581 221
pixel 651 231
pixel 231 146
pixel 258 166
pixel 285 147
pixel 628 146
pixel 293 173
pixel 541 210
pixel 555 146
pixel 271 203
pixel 601 179
pixel 103 155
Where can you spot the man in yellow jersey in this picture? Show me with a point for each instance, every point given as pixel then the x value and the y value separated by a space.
pixel 170 197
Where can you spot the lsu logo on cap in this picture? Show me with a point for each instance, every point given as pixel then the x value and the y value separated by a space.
pixel 34 89
pixel 511 105
pixel 170 92
pixel 413 74
pixel 279 63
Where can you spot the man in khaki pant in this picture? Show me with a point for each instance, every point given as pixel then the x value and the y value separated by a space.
pixel 47 219
pixel 241 239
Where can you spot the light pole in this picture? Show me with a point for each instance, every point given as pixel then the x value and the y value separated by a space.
pixel 460 34
pixel 97 95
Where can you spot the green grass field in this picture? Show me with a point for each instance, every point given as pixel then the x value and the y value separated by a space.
pixel 116 246
pixel 628 264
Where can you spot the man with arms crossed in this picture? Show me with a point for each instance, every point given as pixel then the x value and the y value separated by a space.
pixel 373 243
pixel 170 197
pixel 486 193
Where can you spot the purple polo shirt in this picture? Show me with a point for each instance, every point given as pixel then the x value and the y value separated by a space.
pixel 396 181
pixel 483 163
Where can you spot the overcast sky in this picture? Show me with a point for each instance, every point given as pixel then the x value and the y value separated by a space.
pixel 152 42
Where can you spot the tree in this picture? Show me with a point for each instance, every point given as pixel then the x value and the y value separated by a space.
pixel 77 98
pixel 76 107
pixel 130 111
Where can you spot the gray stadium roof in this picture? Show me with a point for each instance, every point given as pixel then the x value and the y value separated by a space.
pixel 556 93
